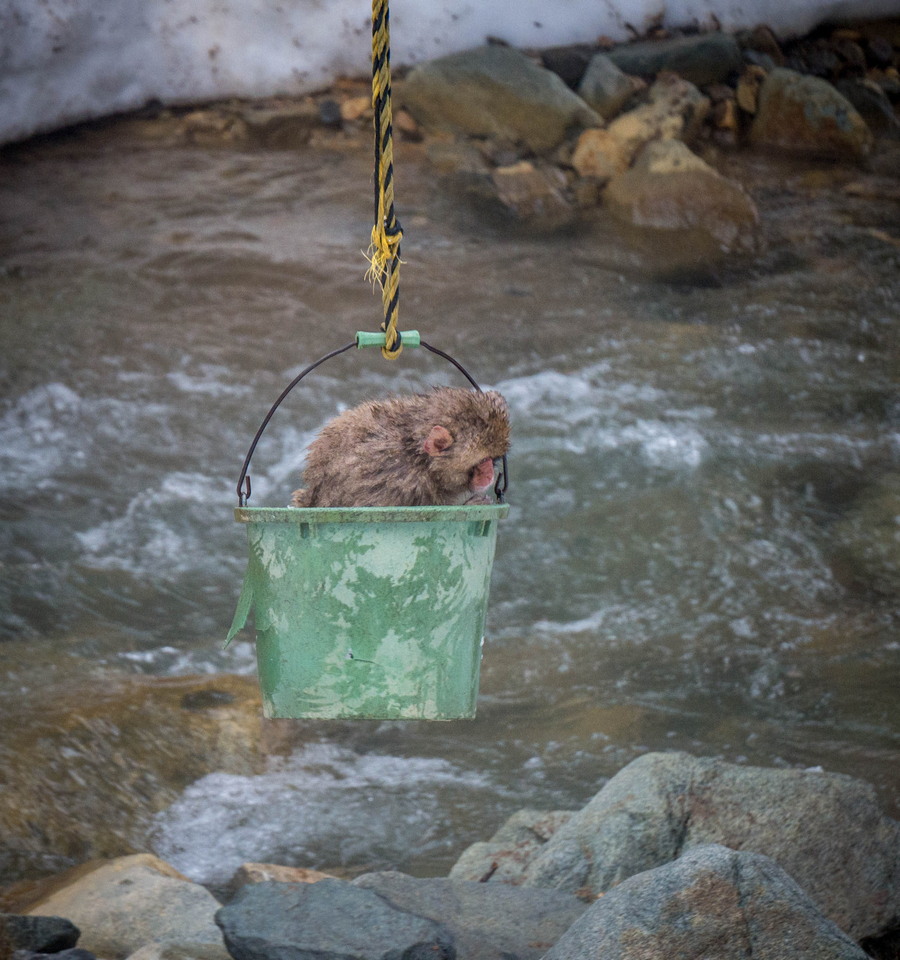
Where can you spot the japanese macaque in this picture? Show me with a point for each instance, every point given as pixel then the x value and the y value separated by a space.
pixel 432 449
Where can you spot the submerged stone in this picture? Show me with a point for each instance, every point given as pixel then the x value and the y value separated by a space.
pixel 670 190
pixel 806 115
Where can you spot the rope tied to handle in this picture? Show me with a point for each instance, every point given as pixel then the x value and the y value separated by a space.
pixel 384 249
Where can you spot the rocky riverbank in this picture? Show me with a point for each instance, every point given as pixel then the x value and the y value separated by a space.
pixel 639 133
pixel 675 856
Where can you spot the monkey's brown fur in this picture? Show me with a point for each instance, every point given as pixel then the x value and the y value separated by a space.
pixel 377 454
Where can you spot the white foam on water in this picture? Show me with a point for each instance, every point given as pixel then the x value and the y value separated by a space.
pixel 38 435
pixel 163 529
pixel 586 411
pixel 324 806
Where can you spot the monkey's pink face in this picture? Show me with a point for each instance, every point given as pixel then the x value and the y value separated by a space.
pixel 482 478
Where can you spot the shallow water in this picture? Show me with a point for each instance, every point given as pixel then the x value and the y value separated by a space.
pixel 691 467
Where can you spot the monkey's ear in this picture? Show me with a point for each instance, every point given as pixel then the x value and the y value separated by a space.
pixel 438 440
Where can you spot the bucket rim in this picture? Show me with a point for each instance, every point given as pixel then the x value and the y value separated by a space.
pixel 466 512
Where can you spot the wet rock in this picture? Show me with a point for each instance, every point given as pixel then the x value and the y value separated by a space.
pixel 37 934
pixel 263 872
pixel 355 108
pixel 712 902
pixel 870 100
pixel 286 127
pixel 869 537
pixel 330 113
pixel 95 772
pixel 671 190
pixel 748 87
pixel 806 115
pixel 503 858
pixel 486 921
pixel 495 91
pixel 675 110
pixel 568 62
pixel 177 950
pixel 123 904
pixel 73 953
pixel 605 88
pixel 763 41
pixel 533 193
pixel 331 920
pixel 699 59
pixel 210 127
pixel 599 154
pixel 824 829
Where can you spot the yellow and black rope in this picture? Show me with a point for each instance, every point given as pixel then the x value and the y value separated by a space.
pixel 384 251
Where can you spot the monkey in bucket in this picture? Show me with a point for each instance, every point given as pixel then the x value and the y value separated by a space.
pixel 433 449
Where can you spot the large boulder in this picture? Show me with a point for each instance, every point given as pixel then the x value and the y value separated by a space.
pixel 825 830
pixel 670 193
pixel 701 58
pixel 605 88
pixel 513 846
pixel 125 904
pixel 329 920
pixel 495 91
pixel 713 902
pixel 487 921
pixel 806 115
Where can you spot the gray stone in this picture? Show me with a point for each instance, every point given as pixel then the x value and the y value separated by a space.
pixel 806 115
pixel 713 902
pixel 605 88
pixel 495 91
pixel 824 829
pixel 872 104
pixel 503 858
pixel 487 921
pixel 123 904
pixel 329 920
pixel 701 59
pixel 38 934
pixel 73 953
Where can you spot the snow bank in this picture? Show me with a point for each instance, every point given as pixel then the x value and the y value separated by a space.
pixel 62 61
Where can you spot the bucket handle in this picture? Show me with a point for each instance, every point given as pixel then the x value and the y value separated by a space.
pixel 409 338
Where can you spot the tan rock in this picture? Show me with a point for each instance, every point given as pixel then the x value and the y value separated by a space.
pixel 806 115
pixel 747 92
pixel 675 110
pixel 124 904
pixel 671 196
pixel 532 193
pixel 599 154
pixel 355 107
pixel 263 872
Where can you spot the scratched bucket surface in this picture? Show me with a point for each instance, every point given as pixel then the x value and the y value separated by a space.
pixel 368 612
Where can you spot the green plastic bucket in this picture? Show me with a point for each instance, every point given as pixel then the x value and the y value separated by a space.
pixel 368 612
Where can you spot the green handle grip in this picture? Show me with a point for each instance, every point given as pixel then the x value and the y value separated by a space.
pixel 409 338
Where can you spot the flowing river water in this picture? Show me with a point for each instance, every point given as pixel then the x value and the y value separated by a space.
pixel 702 548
